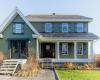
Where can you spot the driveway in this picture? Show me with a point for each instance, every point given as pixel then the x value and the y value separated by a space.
pixel 45 75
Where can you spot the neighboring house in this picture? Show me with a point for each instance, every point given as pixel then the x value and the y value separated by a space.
pixel 63 38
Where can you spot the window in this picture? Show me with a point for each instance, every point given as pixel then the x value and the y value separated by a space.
pixel 18 28
pixel 67 48
pixel 64 48
pixel 79 27
pixel 48 27
pixel 64 27
pixel 82 48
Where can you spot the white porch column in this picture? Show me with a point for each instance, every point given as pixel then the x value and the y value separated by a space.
pixel 75 50
pixel 91 51
pixel 57 50
pixel 37 48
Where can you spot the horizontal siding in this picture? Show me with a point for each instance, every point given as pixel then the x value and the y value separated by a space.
pixel 40 26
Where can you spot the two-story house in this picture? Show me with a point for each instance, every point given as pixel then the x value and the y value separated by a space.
pixel 62 38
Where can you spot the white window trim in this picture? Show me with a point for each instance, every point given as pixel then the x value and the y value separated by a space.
pixel 63 25
pixel 82 26
pixel 50 25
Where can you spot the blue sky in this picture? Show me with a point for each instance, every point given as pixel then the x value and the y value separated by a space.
pixel 88 8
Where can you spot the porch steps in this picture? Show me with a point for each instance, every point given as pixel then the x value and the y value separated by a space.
pixel 9 67
pixel 47 63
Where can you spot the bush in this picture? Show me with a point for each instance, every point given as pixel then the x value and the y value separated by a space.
pixel 56 66
pixel 70 66
pixel 97 62
pixel 88 67
pixel 31 67
pixel 2 56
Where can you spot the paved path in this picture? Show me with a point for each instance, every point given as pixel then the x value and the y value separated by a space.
pixel 45 75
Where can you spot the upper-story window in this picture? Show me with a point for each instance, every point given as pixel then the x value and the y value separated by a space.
pixel 64 27
pixel 48 27
pixel 18 28
pixel 79 27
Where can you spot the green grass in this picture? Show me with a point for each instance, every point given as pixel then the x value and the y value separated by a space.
pixel 78 74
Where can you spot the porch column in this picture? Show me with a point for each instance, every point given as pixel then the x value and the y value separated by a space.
pixel 91 50
pixel 57 50
pixel 37 48
pixel 75 50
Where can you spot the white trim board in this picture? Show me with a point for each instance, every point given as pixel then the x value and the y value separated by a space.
pixel 63 39
pixel 10 18
pixel 59 20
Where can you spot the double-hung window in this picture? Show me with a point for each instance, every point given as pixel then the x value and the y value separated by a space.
pixel 17 28
pixel 82 48
pixel 64 48
pixel 48 27
pixel 79 27
pixel 64 27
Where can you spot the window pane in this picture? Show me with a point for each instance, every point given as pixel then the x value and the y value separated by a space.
pixel 17 28
pixel 80 27
pixel 64 48
pixel 79 48
pixel 85 48
pixel 48 27
pixel 82 48
pixel 64 27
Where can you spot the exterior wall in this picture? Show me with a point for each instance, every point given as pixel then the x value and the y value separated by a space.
pixel 40 26
pixel 8 34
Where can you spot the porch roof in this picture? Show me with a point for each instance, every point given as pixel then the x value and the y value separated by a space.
pixel 71 35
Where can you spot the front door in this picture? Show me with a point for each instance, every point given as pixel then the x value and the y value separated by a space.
pixel 19 49
pixel 47 50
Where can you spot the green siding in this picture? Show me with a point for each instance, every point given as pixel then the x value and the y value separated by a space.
pixel 40 26
pixel 8 34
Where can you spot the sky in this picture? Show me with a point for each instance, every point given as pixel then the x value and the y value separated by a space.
pixel 89 8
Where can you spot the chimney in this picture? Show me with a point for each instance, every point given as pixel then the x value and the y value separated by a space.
pixel 53 13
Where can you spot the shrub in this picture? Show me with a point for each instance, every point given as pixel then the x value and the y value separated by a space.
pixel 70 66
pixel 31 67
pixel 88 66
pixel 56 66
pixel 97 61
pixel 2 56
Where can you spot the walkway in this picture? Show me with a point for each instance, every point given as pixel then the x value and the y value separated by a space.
pixel 45 75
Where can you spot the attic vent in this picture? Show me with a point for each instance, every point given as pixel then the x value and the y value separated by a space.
pixel 53 13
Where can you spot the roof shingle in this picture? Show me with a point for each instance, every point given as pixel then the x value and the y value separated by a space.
pixel 42 17
pixel 71 35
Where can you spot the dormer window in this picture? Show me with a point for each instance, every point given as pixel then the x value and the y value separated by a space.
pixel 18 28
pixel 79 27
pixel 64 27
pixel 48 27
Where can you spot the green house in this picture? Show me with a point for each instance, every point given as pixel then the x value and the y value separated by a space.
pixel 61 38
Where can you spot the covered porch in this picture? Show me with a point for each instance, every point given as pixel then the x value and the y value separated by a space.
pixel 66 50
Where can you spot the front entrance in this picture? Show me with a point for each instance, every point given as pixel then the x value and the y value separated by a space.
pixel 19 49
pixel 47 50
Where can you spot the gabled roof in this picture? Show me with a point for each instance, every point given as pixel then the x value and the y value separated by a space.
pixel 10 18
pixel 89 36
pixel 55 17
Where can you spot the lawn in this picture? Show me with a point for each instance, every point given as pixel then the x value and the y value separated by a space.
pixel 78 74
